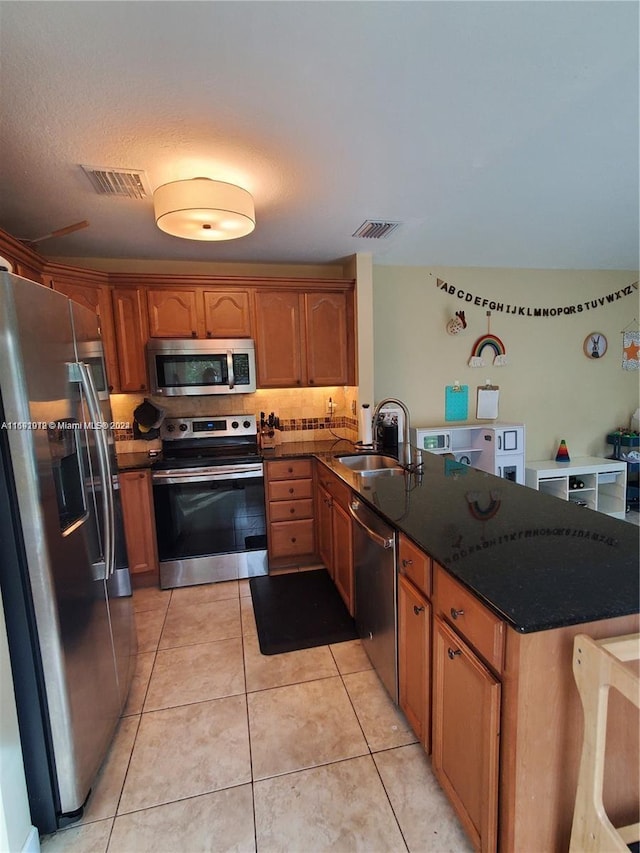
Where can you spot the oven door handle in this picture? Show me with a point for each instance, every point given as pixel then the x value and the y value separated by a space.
pixel 170 478
pixel 230 373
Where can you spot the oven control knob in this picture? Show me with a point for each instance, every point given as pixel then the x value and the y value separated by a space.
pixel 234 424
pixel 183 427
pixel 246 424
pixel 170 427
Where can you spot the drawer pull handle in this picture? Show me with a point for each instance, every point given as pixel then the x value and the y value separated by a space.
pixel 293 538
pixel 453 653
pixel 292 510
pixel 291 491
pixel 406 563
pixel 418 610
pixel 455 613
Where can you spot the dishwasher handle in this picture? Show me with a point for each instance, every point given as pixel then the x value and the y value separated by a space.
pixel 383 541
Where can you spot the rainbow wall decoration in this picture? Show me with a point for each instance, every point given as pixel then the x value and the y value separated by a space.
pixel 494 343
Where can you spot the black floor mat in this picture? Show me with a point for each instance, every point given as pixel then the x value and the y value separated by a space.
pixel 298 611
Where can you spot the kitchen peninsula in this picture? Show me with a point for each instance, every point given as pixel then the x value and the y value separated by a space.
pixel 512 576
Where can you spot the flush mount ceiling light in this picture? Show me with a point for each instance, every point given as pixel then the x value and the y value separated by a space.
pixel 202 209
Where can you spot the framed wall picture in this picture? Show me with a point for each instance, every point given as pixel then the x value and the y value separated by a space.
pixel 595 345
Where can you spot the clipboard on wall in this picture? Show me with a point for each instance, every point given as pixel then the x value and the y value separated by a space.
pixel 487 403
pixel 456 402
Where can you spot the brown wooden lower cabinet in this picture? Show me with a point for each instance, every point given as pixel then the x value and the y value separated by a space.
pixel 466 733
pixel 343 575
pixel 335 536
pixel 139 525
pixel 414 659
pixel 324 526
pixel 290 512
pixel 507 725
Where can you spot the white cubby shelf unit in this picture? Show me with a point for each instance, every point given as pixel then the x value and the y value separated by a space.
pixel 603 482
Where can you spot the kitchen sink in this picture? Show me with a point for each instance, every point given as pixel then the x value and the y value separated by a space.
pixel 371 463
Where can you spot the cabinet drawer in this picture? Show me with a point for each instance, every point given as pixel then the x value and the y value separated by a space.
pixel 471 619
pixel 289 490
pixel 288 538
pixel 415 564
pixel 289 469
pixel 338 490
pixel 290 510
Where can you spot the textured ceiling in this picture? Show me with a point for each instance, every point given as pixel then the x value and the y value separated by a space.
pixel 498 133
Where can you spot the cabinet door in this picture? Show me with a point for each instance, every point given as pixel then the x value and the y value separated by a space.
pixel 227 314
pixel 172 313
pixel 129 339
pixel 96 298
pixel 343 554
pixel 138 520
pixel 325 535
pixel 466 731
pixel 278 339
pixel 414 656
pixel 327 339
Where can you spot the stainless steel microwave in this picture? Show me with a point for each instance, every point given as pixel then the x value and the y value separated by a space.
pixel 190 366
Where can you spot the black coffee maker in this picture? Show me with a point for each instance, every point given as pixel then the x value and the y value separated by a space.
pixel 387 434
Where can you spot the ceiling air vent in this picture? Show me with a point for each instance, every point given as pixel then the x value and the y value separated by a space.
pixel 376 230
pixel 125 183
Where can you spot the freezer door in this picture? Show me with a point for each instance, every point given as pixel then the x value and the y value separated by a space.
pixel 63 554
pixel 105 496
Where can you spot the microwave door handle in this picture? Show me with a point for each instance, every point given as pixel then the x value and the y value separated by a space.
pixel 230 373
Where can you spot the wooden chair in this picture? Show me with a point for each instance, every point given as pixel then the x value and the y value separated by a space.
pixel 597 666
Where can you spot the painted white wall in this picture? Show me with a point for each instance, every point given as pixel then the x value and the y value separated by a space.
pixel 548 383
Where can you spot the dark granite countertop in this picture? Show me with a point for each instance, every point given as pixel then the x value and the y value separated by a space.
pixel 539 562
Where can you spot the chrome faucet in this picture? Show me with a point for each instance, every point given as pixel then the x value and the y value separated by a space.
pixel 406 446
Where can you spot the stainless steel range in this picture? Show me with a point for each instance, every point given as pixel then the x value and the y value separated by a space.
pixel 208 492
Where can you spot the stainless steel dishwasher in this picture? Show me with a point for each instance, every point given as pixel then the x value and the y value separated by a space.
pixel 374 548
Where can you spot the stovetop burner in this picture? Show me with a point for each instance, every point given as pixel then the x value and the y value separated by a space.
pixel 200 442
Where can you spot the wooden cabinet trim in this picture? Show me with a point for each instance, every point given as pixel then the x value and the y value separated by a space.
pixel 262 283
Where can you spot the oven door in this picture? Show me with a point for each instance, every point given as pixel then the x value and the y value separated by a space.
pixel 210 524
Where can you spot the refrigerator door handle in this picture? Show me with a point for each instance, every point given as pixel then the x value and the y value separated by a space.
pixel 81 372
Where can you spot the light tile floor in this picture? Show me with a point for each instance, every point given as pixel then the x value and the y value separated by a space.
pixel 224 749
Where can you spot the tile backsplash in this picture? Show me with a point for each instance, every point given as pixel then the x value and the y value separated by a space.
pixel 303 412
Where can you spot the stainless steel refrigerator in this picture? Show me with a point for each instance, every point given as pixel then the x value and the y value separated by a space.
pixel 63 574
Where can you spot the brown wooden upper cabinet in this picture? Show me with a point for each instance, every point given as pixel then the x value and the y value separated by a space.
pixel 86 289
pixel 130 338
pixel 305 338
pixel 198 313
